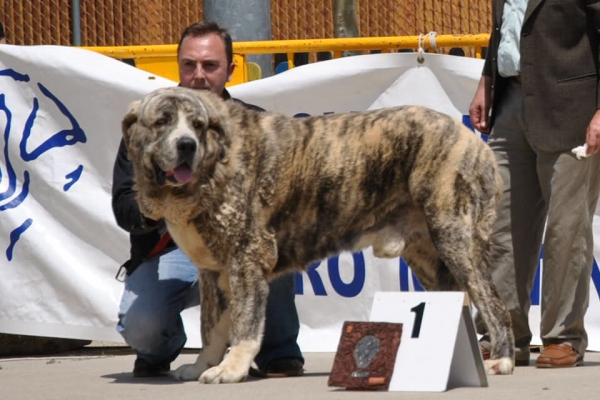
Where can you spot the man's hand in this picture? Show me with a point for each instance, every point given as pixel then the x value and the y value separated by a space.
pixel 480 106
pixel 592 137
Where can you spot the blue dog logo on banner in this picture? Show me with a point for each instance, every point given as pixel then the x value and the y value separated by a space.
pixel 15 189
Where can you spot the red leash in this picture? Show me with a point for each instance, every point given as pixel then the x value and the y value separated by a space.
pixel 162 243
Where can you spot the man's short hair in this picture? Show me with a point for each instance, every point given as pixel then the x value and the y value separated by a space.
pixel 204 28
pixel 2 34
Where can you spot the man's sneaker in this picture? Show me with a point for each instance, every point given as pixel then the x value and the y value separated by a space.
pixel 143 369
pixel 280 368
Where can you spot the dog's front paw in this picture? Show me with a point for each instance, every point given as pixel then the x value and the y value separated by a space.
pixel 187 372
pixel 224 374
pixel 503 366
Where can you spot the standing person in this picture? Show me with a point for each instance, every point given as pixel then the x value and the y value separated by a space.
pixel 161 281
pixel 540 81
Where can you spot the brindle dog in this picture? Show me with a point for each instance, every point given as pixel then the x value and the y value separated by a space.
pixel 250 195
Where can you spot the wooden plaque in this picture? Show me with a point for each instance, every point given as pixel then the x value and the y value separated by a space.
pixel 366 355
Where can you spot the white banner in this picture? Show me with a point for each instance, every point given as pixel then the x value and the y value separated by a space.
pixel 61 109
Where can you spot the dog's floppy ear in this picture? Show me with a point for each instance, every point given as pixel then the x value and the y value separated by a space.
pixel 130 118
pixel 218 147
pixel 222 139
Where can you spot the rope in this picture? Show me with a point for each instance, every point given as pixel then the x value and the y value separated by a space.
pixel 421 45
pixel 432 43
pixel 420 50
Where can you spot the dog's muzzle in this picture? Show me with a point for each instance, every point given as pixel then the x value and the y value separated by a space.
pixel 182 174
pixel 186 148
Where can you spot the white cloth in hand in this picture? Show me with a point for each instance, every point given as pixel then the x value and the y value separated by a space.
pixel 580 151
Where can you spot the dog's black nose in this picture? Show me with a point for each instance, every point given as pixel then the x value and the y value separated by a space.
pixel 186 147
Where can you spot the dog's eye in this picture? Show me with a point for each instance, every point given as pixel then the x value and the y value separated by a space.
pixel 161 121
pixel 197 124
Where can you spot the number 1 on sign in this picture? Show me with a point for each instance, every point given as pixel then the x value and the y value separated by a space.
pixel 446 335
pixel 419 311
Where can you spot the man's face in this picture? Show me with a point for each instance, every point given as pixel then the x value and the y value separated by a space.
pixel 203 63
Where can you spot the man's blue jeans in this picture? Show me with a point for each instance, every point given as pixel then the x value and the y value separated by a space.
pixel 162 287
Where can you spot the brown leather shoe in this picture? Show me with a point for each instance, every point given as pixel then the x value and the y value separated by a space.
pixel 485 354
pixel 559 355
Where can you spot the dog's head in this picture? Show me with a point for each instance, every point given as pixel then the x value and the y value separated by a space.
pixel 175 136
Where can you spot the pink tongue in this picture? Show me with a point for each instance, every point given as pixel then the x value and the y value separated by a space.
pixel 182 174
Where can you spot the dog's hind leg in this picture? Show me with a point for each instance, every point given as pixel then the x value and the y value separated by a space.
pixel 215 323
pixel 465 253
pixel 458 272
pixel 493 311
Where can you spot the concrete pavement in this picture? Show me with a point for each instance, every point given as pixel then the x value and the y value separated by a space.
pixel 105 373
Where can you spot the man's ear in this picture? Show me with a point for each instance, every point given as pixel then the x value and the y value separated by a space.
pixel 130 118
pixel 230 71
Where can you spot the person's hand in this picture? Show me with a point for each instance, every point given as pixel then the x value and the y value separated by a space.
pixel 592 137
pixel 480 106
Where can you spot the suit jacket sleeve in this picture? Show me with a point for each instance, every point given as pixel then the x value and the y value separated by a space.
pixel 492 50
pixel 593 9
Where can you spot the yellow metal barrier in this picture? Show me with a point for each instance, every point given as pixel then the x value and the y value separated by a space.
pixel 162 59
